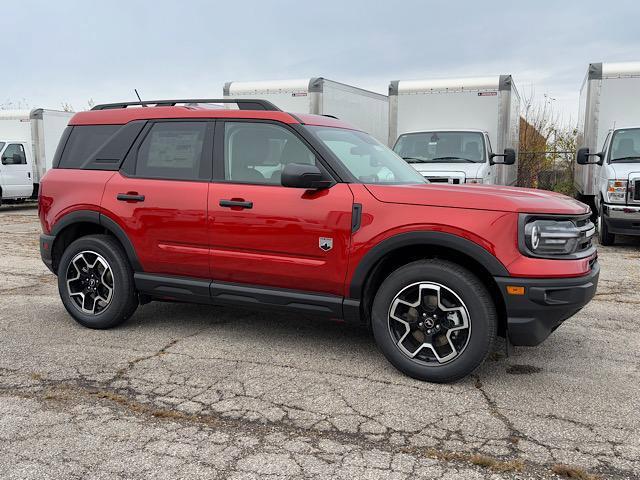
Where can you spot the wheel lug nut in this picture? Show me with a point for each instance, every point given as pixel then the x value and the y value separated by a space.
pixel 429 331
pixel 421 324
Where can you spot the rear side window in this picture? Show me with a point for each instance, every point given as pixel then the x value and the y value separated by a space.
pixel 172 150
pixel 84 142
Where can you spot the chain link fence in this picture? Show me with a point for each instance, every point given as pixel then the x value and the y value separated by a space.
pixel 549 170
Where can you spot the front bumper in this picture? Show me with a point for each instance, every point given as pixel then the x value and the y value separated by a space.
pixel 622 219
pixel 546 303
pixel 46 243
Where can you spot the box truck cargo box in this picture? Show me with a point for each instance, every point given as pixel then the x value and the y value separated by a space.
pixel 363 109
pixel 452 130
pixel 607 175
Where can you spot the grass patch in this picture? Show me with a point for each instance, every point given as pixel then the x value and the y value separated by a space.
pixel 576 473
pixel 485 461
pixel 145 409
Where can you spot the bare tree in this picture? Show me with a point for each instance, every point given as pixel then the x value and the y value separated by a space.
pixel 546 146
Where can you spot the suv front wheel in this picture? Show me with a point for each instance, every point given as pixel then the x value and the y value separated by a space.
pixel 434 320
pixel 95 282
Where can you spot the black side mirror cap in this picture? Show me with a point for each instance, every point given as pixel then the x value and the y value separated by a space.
pixel 298 175
pixel 582 157
pixel 509 157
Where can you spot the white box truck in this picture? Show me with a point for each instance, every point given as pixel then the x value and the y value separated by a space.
pixel 451 130
pixel 607 175
pixel 28 142
pixel 361 108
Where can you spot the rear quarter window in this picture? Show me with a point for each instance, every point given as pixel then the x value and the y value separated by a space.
pixel 84 141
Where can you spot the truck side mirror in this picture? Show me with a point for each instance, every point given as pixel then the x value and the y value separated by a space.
pixel 582 157
pixel 17 159
pixel 298 175
pixel 509 157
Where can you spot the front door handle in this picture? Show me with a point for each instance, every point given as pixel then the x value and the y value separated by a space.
pixel 236 204
pixel 130 197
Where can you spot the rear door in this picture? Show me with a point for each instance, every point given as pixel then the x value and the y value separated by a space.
pixel 262 233
pixel 159 197
pixel 16 171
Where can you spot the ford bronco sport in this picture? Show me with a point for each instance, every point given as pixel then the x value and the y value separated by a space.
pixel 256 207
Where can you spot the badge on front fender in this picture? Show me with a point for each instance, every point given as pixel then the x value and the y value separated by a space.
pixel 326 243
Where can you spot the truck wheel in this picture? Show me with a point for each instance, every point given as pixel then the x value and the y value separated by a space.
pixel 95 282
pixel 604 237
pixel 434 320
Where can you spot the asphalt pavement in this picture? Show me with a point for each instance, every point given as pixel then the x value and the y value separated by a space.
pixel 188 392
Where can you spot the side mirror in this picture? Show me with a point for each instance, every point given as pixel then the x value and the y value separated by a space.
pixel 509 157
pixel 17 159
pixel 582 157
pixel 298 175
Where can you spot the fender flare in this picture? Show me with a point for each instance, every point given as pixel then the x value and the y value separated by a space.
pixel 92 216
pixel 426 238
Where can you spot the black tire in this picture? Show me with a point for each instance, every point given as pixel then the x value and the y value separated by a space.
pixel 604 237
pixel 124 298
pixel 476 299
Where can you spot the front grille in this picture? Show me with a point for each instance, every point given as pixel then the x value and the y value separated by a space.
pixel 587 231
pixel 454 181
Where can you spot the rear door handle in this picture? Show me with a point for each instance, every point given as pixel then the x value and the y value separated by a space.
pixel 236 203
pixel 130 197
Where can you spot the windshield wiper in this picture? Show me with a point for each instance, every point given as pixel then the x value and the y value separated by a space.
pixel 415 160
pixel 453 158
pixel 632 157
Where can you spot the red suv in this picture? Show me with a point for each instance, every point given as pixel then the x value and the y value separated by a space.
pixel 256 207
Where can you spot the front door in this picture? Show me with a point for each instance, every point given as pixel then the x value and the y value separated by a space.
pixel 160 197
pixel 265 234
pixel 16 171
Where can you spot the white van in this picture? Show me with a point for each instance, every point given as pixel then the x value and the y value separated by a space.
pixel 451 130
pixel 28 142
pixel 609 130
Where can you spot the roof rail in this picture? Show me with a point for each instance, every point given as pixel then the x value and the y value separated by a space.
pixel 243 104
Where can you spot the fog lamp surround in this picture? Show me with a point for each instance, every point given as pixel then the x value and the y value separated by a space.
pixel 559 236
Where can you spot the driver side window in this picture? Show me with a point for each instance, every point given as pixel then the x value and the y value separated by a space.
pixel 257 152
pixel 14 155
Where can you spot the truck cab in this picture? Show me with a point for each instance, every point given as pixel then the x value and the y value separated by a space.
pixel 617 200
pixel 452 156
pixel 16 170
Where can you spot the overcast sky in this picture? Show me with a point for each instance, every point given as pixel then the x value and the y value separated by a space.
pixel 57 52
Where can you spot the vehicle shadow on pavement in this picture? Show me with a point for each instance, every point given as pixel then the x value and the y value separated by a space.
pixel 273 336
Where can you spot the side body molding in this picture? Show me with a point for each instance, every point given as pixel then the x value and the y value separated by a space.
pixel 426 238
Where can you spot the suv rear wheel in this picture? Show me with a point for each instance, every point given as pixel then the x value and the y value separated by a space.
pixel 95 282
pixel 434 320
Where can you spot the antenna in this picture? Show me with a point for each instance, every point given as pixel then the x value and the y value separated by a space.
pixel 138 95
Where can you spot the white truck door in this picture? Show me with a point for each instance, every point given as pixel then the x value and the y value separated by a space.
pixel 16 171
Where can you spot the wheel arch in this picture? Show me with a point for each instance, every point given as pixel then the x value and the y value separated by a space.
pixel 80 223
pixel 405 248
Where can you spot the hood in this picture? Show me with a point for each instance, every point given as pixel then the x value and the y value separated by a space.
pixel 624 171
pixel 479 197
pixel 453 170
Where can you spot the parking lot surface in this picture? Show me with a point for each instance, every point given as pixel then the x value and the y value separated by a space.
pixel 187 391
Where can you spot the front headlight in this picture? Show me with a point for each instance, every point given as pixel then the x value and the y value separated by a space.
pixel 473 180
pixel 617 191
pixel 556 237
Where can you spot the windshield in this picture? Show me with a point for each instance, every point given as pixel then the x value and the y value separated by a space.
pixel 366 158
pixel 1 146
pixel 625 145
pixel 445 147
